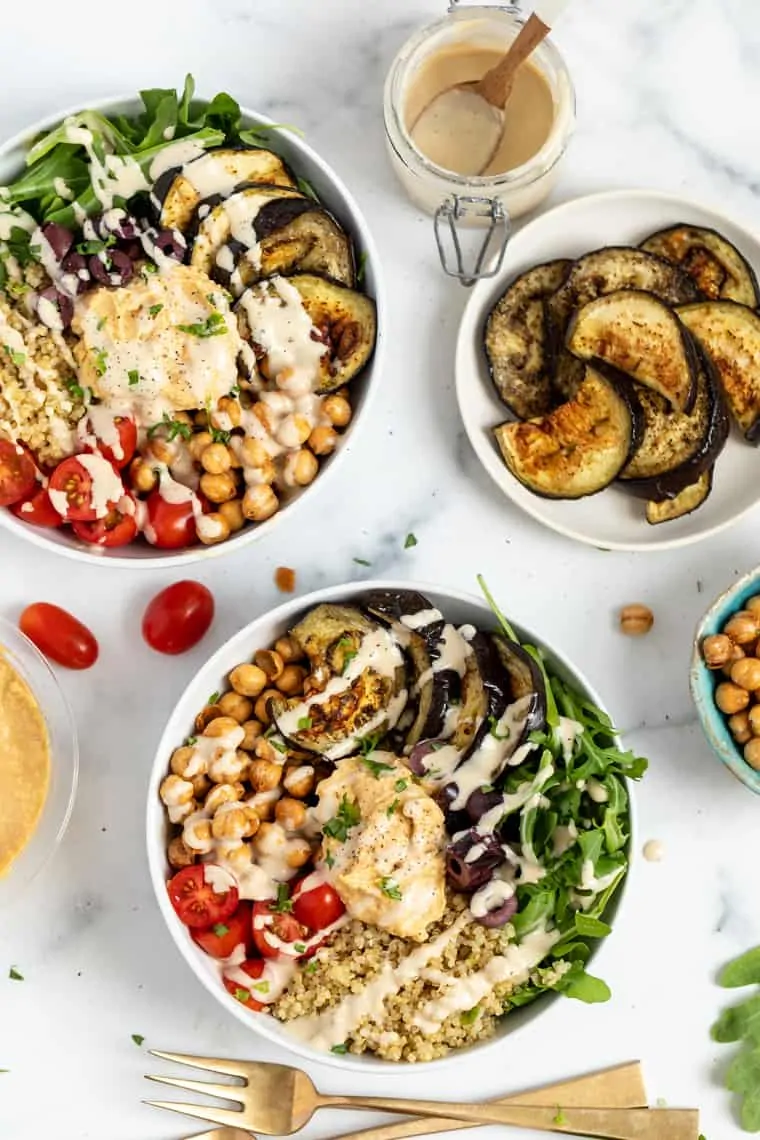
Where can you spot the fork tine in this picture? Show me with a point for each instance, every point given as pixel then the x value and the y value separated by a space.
pixel 202 1112
pixel 205 1088
pixel 210 1064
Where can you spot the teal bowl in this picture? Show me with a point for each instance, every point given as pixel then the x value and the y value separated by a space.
pixel 703 680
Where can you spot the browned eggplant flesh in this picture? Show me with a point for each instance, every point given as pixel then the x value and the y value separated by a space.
pixel 687 501
pixel 730 335
pixel 716 266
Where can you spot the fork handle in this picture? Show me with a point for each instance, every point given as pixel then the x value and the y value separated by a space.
pixel 605 1123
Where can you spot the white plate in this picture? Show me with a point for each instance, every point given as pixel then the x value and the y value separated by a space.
pixel 612 519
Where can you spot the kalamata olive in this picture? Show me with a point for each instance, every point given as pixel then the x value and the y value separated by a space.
pixel 418 759
pixel 54 308
pixel 58 238
pixel 500 915
pixel 170 243
pixel 481 801
pixel 471 860
pixel 133 249
pixel 75 265
pixel 111 268
pixel 455 820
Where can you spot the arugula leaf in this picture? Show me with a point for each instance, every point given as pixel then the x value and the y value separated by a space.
pixel 283 903
pixel 339 826
pixel 138 1038
pixel 580 986
pixel 743 971
pixel 375 767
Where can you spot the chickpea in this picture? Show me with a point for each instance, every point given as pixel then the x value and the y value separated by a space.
pixel 179 854
pixel 736 655
pixel 248 680
pixel 746 673
pixel 223 794
pixel 201 785
pixel 143 476
pixel 299 781
pixel 175 791
pixel 290 813
pixel 162 450
pixel 218 488
pixel 742 628
pixel 730 698
pixel 300 468
pixel 197 835
pixel 183 418
pixel 205 716
pixel 181 760
pixel 263 803
pixel 264 775
pixel 288 649
pixel 212 528
pixel 232 513
pixel 291 680
pixel 739 727
pixel 253 730
pixel 323 440
pixel 265 750
pixel 754 720
pixel 260 502
pixel 270 661
pixel 636 620
pixel 716 650
pixel 253 453
pixel 293 431
pixel 216 459
pixel 198 443
pixel 229 407
pixel 752 752
pixel 298 853
pixel 201 418
pixel 337 409
pixel 235 823
pixel 752 606
pixel 234 705
pixel 261 708
pixel 221 726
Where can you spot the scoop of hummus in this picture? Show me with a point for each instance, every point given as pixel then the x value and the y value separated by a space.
pixel 383 844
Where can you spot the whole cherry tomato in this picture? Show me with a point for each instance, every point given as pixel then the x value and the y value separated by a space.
pixel 178 617
pixel 203 895
pixel 59 635
pixel 37 510
pixel 253 968
pixel 121 453
pixel 18 475
pixel 222 938
pixel 116 529
pixel 74 482
pixel 170 525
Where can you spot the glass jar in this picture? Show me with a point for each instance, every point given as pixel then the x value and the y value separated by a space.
pixel 470 199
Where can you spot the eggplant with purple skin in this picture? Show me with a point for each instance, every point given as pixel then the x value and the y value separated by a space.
pixel 717 267
pixel 686 501
pixel 221 217
pixel 527 681
pixel 730 335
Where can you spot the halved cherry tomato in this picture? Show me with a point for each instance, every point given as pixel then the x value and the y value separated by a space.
pixel 316 907
pixel 171 525
pixel 59 635
pixel 18 474
pixel 222 938
pixel 178 617
pixel 37 510
pixel 126 446
pixel 203 894
pixel 116 529
pixel 254 968
pixel 74 481
pixel 277 933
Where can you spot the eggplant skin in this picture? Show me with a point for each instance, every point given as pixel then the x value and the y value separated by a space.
pixel 582 446
pixel 641 336
pixel 211 226
pixel 517 341
pixel 347 321
pixel 717 267
pixel 730 335
pixel 685 503
pixel 525 679
pixel 486 693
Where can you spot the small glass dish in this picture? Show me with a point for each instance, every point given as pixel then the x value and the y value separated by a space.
pixel 32 667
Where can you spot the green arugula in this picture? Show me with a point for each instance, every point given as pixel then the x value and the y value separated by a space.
pixel 375 767
pixel 741 1024
pixel 339 826
pixel 173 428
pixel 138 1038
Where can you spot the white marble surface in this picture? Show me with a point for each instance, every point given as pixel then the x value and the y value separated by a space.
pixel 668 95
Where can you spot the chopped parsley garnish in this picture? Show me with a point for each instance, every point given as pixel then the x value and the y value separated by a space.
pixel 493 728
pixel 191 740
pixel 14 975
pixel 311 968
pixel 347 645
pixel 173 429
pixel 470 1016
pixel 261 987
pixel 220 929
pixel 235 390
pixel 391 809
pixel 390 889
pixel 304 723
pixel 220 436
pixel 361 267
pixel 340 1049
pixel 339 826
pixel 149 267
pixel 101 356
pixel 375 767
pixel 329 861
pixel 16 289
pixel 214 325
pixel 213 699
pixel 242 995
pixel 401 785
pixel 278 744
pixel 283 904
pixel 154 310
pixel 18 358
pixel 101 323
pixel 138 1038
pixel 299 947
pixel 133 376
pixel 76 390
pixel 410 540
pixel 362 562
pixel 559 1117
pixel 95 246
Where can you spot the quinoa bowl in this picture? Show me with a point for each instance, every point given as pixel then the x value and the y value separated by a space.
pixel 308 259
pixel 374 901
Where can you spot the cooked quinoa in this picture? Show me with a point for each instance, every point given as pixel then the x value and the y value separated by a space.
pixel 39 397
pixel 357 954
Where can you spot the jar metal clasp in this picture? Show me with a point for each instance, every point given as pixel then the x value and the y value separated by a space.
pixel 446 224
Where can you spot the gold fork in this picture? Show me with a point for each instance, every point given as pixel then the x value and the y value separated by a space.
pixel 278 1100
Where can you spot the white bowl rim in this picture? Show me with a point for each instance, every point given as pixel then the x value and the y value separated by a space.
pixel 250 534
pixel 157 858
pixel 475 300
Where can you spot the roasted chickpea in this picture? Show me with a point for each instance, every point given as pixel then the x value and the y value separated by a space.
pixel 739 727
pixel 228 406
pixel 265 750
pixel 252 452
pixel 263 803
pixel 736 655
pixel 299 781
pixel 179 854
pixel 716 650
pixel 197 835
pixel 221 726
pixel 181 760
pixel 636 620
pixel 223 794
pixel 212 528
pixel 216 459
pixel 270 661
pixel 248 680
pixel 290 813
pixel 198 443
pixel 291 680
pixel 293 431
pixel 742 627
pixel 261 708
pixel 730 698
pixel 218 488
pixel 337 409
pixel 143 476
pixel 298 853
pixel 201 418
pixel 754 720
pixel 323 440
pixel 264 775
pixel 746 673
pixel 176 792
pixel 162 450
pixel 288 649
pixel 253 730
pixel 752 605
pixel 205 716
pixel 238 822
pixel 260 502
pixel 300 468
pixel 232 513
pixel 234 705
pixel 752 752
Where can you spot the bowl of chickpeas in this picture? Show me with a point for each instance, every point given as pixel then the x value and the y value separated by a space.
pixel 725 678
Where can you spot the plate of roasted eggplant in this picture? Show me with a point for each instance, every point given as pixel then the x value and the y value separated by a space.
pixel 609 376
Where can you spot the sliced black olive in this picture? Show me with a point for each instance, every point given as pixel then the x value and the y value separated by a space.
pixel 63 308
pixel 113 267
pixel 500 915
pixel 75 265
pixel 58 238
pixel 471 860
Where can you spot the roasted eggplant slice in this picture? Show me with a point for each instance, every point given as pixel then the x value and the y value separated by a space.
pixel 730 335
pixel 689 499
pixel 517 341
pixel 363 673
pixel 345 321
pixel 675 449
pixel 580 447
pixel 220 218
pixel 714 264
pixel 485 694
pixel 179 191
pixel 636 333
pixel 524 674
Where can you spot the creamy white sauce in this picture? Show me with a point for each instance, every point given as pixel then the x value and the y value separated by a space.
pixel 490 758
pixel 217 878
pixel 421 618
pixel 563 838
pixel 596 791
pixel 278 321
pixel 491 896
pixel 181 152
pixel 567 732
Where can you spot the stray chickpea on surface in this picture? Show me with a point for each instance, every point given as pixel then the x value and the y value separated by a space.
pixel 636 620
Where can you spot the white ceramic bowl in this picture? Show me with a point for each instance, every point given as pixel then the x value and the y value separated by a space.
pixel 457 607
pixel 612 519
pixel 337 198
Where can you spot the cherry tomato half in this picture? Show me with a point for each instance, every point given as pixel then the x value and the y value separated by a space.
pixel 254 968
pixel 316 907
pixel 121 453
pixel 18 474
pixel 116 529
pixel 178 617
pixel 171 525
pixel 277 933
pixel 37 510
pixel 73 481
pixel 203 894
pixel 222 938
pixel 59 635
